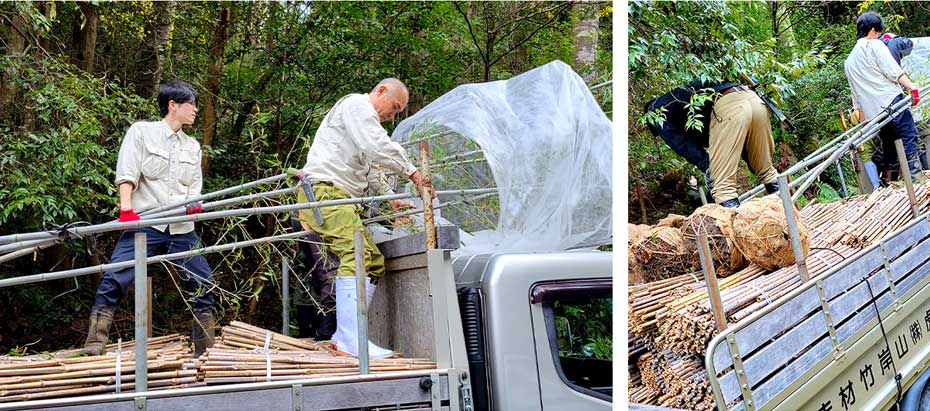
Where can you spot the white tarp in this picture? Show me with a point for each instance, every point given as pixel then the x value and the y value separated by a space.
pixel 549 148
pixel 917 66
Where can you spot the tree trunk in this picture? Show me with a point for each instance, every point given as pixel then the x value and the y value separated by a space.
pixel 88 36
pixel 643 216
pixel 157 37
pixel 212 83
pixel 584 39
pixel 16 45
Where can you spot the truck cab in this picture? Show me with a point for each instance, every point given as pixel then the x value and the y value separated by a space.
pixel 537 329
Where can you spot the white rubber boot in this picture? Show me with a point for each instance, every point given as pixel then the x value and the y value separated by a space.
pixel 872 171
pixel 346 336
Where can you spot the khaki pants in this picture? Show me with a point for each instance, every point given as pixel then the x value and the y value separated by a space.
pixel 739 121
pixel 338 231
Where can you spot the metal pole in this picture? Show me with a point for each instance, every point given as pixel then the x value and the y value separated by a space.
pixel 362 302
pixel 839 169
pixel 710 280
pixel 429 225
pixel 141 377
pixel 35 278
pixel 788 205
pixel 100 228
pixel 148 305
pixel 703 195
pixel 285 297
pixel 906 176
pixel 215 194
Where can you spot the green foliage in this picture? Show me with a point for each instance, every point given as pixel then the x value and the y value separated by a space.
pixel 60 168
pixel 584 329
pixel 285 64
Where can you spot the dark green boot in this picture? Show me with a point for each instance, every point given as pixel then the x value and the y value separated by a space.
pixel 202 333
pixel 101 317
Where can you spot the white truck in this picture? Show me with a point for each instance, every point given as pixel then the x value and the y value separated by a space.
pixel 496 322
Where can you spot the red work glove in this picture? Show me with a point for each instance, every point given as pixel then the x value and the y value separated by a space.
pixel 916 94
pixel 194 208
pixel 126 216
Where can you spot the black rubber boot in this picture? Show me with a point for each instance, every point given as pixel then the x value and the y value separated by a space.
pixel 202 333
pixel 304 318
pixel 731 203
pixel 327 326
pixel 101 317
pixel 913 165
pixel 771 188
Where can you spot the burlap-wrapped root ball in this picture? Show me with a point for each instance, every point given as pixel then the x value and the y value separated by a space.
pixel 636 232
pixel 660 254
pixel 713 221
pixel 760 231
pixel 672 220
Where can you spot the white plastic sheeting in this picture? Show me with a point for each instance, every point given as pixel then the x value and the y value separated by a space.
pixel 917 66
pixel 549 147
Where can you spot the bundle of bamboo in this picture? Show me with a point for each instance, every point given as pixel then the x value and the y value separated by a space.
pixel 674 315
pixel 688 324
pixel 226 366
pixel 241 335
pixel 648 301
pixel 170 365
pixel 687 385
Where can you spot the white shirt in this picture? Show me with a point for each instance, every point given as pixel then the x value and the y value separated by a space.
pixel 873 77
pixel 163 166
pixel 351 145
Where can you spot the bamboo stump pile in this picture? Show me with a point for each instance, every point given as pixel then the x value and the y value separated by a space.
pixel 170 365
pixel 687 384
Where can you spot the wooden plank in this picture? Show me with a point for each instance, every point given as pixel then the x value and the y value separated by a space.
pixel 913 279
pixel 792 372
pixel 905 239
pixel 848 276
pixel 768 326
pixel 854 300
pixel 861 318
pixel 909 260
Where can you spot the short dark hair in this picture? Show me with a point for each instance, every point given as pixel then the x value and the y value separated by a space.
pixel 866 22
pixel 178 91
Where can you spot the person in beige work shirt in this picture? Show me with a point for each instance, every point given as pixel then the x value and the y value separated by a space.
pixel 348 151
pixel 158 165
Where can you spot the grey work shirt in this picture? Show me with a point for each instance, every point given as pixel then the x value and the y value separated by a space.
pixel 350 145
pixel 873 77
pixel 162 165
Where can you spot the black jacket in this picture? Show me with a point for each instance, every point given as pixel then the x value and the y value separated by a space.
pixel 900 47
pixel 689 143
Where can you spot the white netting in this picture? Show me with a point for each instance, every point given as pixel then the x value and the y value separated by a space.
pixel 547 144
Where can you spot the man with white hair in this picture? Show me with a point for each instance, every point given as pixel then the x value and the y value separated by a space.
pixel 349 151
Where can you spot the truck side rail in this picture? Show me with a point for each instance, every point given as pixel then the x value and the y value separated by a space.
pixel 821 328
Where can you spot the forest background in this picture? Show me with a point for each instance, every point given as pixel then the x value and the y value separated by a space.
pixel 795 49
pixel 75 75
